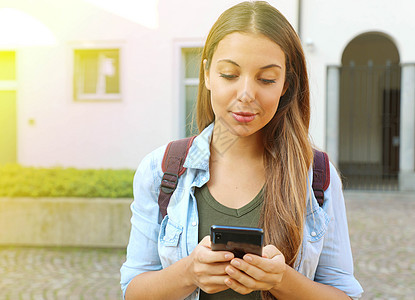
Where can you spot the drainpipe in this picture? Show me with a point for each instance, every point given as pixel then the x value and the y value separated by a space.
pixel 299 13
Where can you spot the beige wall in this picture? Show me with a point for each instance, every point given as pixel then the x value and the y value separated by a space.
pixel 55 130
pixel 119 134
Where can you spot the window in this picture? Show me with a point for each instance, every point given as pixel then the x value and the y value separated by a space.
pixel 97 74
pixel 191 60
pixel 8 65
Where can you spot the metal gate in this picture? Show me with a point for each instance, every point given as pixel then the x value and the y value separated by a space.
pixel 369 117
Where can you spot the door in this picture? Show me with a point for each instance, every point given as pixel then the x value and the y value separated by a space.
pixel 369 105
pixel 391 135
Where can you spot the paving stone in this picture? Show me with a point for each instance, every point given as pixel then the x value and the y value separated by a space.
pixel 59 273
pixel 382 231
pixel 381 227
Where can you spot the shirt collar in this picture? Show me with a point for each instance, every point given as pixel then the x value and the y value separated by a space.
pixel 312 205
pixel 199 152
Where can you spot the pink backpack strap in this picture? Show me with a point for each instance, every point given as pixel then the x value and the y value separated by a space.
pixel 321 175
pixel 172 166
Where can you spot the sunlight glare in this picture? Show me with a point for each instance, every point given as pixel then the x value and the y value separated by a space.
pixel 142 12
pixel 23 30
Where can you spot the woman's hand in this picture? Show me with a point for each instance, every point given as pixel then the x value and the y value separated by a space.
pixel 254 273
pixel 207 267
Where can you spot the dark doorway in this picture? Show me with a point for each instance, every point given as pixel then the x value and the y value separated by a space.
pixel 391 139
pixel 370 113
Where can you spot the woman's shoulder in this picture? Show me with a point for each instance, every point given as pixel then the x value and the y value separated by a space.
pixel 331 178
pixel 331 184
pixel 335 179
pixel 152 161
pixel 333 196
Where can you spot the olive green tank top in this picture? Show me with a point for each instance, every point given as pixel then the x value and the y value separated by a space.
pixel 211 212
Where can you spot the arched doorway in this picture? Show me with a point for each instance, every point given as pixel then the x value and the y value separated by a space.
pixel 369 112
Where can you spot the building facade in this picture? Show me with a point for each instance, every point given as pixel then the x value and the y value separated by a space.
pixel 99 84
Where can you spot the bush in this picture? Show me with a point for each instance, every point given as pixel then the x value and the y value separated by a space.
pixel 19 181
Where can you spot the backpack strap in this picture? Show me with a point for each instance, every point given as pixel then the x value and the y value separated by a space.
pixel 175 156
pixel 321 175
pixel 172 166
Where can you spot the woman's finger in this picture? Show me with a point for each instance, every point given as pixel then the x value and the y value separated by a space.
pixel 205 254
pixel 270 251
pixel 214 284
pixel 274 265
pixel 205 241
pixel 272 260
pixel 237 287
pixel 210 269
pixel 250 275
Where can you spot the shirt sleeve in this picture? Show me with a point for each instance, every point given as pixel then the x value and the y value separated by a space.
pixel 142 252
pixel 335 266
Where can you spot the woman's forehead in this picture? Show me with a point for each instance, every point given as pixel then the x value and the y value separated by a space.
pixel 244 47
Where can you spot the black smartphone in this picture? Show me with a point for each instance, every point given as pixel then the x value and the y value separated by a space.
pixel 238 240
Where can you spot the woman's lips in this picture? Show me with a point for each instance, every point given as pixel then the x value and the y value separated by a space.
pixel 243 117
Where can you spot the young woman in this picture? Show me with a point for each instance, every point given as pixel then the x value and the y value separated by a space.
pixel 251 165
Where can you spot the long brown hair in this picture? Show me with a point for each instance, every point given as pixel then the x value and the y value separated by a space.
pixel 288 153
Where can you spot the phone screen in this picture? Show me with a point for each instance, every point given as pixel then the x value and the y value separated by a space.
pixel 238 240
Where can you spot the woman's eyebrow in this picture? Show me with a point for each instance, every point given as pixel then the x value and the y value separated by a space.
pixel 262 68
pixel 228 61
pixel 271 66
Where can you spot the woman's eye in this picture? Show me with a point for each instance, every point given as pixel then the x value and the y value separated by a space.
pixel 267 81
pixel 227 76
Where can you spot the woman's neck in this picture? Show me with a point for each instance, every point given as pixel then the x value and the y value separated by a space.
pixel 230 147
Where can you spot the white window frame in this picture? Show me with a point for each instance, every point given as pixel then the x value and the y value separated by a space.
pixel 10 85
pixel 181 82
pixel 100 96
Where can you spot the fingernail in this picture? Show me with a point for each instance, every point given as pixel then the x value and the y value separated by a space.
pixel 248 258
pixel 235 263
pixel 228 281
pixel 228 256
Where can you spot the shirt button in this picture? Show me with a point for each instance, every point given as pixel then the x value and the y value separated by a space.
pixel 194 223
pixel 313 233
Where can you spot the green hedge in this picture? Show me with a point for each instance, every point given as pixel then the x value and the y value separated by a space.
pixel 19 181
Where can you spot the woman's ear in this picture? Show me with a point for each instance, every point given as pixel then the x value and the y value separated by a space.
pixel 206 74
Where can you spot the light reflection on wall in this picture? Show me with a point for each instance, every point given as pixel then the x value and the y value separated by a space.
pixel 144 13
pixel 23 30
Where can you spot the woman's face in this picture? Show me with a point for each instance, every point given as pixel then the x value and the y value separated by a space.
pixel 246 80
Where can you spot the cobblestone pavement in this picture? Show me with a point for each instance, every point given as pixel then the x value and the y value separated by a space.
pixel 382 234
pixel 60 273
pixel 382 231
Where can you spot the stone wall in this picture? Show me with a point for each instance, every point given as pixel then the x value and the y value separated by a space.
pixel 85 222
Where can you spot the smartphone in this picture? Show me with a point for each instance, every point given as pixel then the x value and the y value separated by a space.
pixel 238 240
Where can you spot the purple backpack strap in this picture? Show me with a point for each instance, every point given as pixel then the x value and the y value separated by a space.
pixel 321 175
pixel 172 166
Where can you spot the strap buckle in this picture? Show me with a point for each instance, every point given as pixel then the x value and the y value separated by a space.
pixel 168 185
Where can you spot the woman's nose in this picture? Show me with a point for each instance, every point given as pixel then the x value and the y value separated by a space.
pixel 247 90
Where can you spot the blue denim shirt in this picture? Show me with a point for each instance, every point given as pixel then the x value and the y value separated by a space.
pixel 155 244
